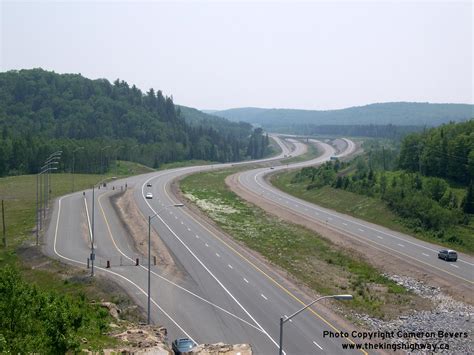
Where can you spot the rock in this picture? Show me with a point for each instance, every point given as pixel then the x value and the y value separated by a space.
pixel 221 349
pixel 448 315
pixel 112 308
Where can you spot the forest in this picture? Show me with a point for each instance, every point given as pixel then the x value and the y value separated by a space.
pixel 428 183
pixel 389 131
pixel 95 122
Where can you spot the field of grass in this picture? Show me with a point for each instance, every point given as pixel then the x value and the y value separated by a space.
pixel 311 153
pixel 307 256
pixel 19 196
pixel 371 209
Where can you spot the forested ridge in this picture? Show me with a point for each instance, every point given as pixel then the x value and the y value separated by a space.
pixel 428 183
pixel 396 113
pixel 42 111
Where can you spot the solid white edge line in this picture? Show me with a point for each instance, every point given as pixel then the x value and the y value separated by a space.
pixel 111 272
pixel 206 268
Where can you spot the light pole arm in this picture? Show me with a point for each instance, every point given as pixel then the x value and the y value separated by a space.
pixel 307 306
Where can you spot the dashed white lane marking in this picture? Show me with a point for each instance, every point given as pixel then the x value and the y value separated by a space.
pixel 401 245
pixel 207 245
pixel 197 237
pixel 175 217
pixel 457 267
pixel 379 237
pixel 246 280
pixel 217 254
pixel 319 346
pixel 189 229
pixel 182 222
pixel 425 254
pixel 230 266
pixel 266 299
pixel 361 229
pixel 329 218
pixel 296 205
pixel 316 213
pixel 171 212
pixel 344 223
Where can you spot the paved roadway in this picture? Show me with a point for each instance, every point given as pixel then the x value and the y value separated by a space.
pixel 396 244
pixel 220 293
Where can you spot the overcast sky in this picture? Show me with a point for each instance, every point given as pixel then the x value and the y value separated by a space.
pixel 217 55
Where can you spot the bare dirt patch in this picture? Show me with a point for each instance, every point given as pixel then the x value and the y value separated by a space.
pixel 136 225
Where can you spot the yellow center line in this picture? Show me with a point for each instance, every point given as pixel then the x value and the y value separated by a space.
pixel 263 272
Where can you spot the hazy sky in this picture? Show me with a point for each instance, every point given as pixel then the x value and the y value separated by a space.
pixel 217 55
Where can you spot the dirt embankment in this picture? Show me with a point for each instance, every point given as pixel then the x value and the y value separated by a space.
pixel 136 225
pixel 385 262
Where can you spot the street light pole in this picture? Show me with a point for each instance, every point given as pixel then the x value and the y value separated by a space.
pixel 286 319
pixel 92 256
pixel 149 252
pixel 101 150
pixel 73 164
pixel 52 159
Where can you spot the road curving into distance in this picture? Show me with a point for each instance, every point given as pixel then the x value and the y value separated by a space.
pixel 217 291
pixel 419 253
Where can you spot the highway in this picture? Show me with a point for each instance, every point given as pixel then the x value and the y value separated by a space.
pixel 217 292
pixel 393 244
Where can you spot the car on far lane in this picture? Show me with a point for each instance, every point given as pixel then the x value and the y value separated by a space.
pixel 149 195
pixel 148 184
pixel 448 255
pixel 182 345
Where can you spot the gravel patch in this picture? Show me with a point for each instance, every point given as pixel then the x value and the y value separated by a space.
pixel 447 316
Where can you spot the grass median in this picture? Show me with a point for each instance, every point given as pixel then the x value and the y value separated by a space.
pixel 310 258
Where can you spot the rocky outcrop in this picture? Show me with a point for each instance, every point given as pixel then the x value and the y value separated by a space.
pixel 222 349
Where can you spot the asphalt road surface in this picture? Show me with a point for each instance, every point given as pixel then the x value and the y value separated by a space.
pixel 221 292
pixel 424 254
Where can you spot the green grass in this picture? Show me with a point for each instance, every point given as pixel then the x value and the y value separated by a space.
pixel 307 256
pixel 371 209
pixel 19 195
pixel 311 153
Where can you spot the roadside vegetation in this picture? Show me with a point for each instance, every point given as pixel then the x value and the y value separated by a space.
pixel 425 188
pixel 45 306
pixel 311 153
pixel 311 259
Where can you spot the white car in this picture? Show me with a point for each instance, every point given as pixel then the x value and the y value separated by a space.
pixel 149 195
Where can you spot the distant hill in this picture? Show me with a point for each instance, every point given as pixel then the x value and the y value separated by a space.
pixel 396 113
pixel 96 122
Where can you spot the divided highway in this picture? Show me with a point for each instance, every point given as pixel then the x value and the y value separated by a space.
pixel 387 241
pixel 217 290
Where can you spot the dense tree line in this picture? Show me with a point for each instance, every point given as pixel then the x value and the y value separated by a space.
pixel 259 144
pixel 396 113
pixel 424 203
pixel 445 152
pixel 415 182
pixel 42 111
pixel 40 322
pixel 375 131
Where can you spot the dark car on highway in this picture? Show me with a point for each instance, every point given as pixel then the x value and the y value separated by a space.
pixel 182 345
pixel 448 255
